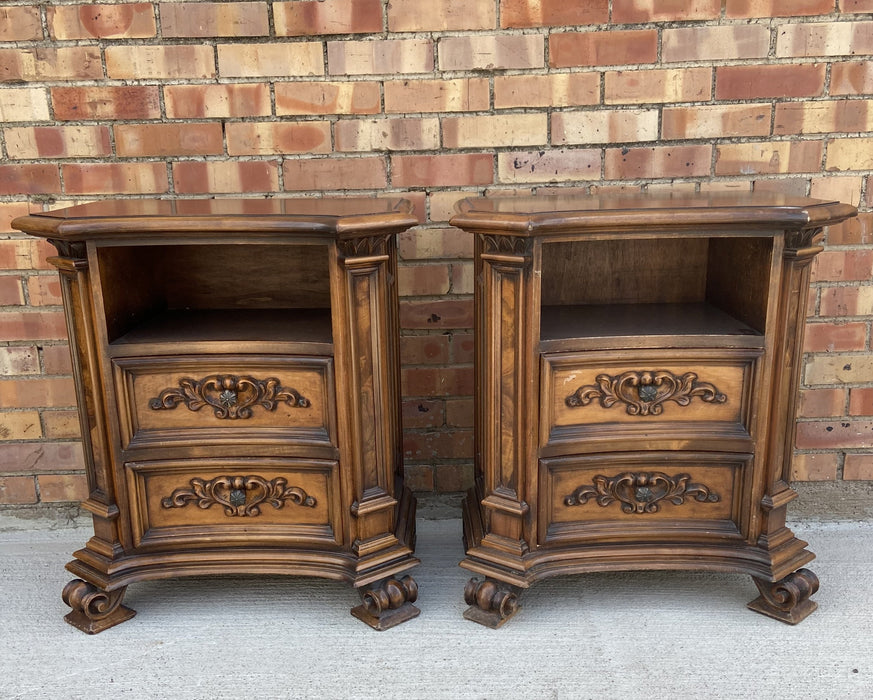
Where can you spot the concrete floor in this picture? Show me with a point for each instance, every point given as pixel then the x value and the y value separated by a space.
pixel 644 635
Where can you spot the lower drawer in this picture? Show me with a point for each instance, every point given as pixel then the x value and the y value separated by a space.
pixel 246 501
pixel 644 496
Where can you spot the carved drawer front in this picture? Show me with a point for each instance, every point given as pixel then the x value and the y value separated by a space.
pixel 204 400
pixel 234 501
pixel 642 496
pixel 654 392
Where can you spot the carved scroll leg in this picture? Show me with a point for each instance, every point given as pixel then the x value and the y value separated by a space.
pixel 491 603
pixel 94 610
pixel 788 599
pixel 388 603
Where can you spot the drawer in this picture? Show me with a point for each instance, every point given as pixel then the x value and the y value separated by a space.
pixel 641 496
pixel 210 399
pixel 246 501
pixel 651 393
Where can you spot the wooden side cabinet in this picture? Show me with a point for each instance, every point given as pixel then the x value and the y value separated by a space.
pixel 237 370
pixel 637 367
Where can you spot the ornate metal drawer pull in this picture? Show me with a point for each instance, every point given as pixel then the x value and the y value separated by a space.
pixel 643 393
pixel 230 396
pixel 641 492
pixel 240 495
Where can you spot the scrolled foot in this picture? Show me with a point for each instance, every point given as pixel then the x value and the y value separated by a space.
pixel 388 603
pixel 787 599
pixel 491 603
pixel 94 610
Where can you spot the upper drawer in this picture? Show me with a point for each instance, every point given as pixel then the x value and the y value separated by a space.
pixel 647 393
pixel 207 399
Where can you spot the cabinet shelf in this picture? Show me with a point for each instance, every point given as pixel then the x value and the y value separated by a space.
pixel 590 326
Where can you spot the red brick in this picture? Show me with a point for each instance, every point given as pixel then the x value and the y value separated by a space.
pixel 852 78
pixel 44 290
pixel 816 117
pixel 23 105
pixel 115 178
pixel 770 157
pixel 794 187
pixel 849 153
pixel 458 95
pixel 777 8
pixel 459 413
pixel 39 63
pixel 391 134
pixel 168 62
pixel 552 13
pixel 31 393
pixel 41 457
pixel 491 52
pixel 188 139
pixel 755 82
pixel 55 488
pixel 823 435
pixel 423 280
pixel 607 48
pixel 326 174
pixel 38 142
pixel 861 401
pixel 442 170
pixel 847 301
pixel 822 403
pixel 555 90
pixel 850 6
pixel 19 254
pixel 307 17
pixel 843 265
pixel 825 39
pixel 106 102
pixel 463 347
pixel 437 314
pixel 61 424
pixel 840 188
pixel 435 243
pixel 605 126
pixel 18 359
pixel 419 477
pixel 388 56
pixel 20 23
pixel 103 21
pixel 423 413
pixel 455 444
pixel 270 60
pixel 836 368
pixel 440 15
pixel 858 467
pixel 637 11
pixel 454 478
pixel 833 337
pixel 855 231
pixel 17 490
pixel 29 178
pixel 8 212
pixel 196 177
pixel 667 85
pixel 424 349
pixel 437 381
pixel 463 278
pixel 11 293
pixel 815 467
pixel 277 138
pixel 56 359
pixel 208 19
pixel 20 425
pixel 212 101
pixel 328 98
pixel 657 162
pixel 715 43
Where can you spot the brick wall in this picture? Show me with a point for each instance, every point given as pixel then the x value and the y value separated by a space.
pixel 435 100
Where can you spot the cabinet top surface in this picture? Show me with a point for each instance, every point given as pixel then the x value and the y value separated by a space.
pixel 557 212
pixel 123 217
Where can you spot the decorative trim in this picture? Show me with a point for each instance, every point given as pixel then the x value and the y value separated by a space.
pixel 364 246
pixel 641 492
pixel 240 495
pixel 75 250
pixel 229 395
pixel 643 393
pixel 506 245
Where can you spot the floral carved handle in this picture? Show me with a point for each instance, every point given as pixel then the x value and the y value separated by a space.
pixel 641 492
pixel 644 393
pixel 239 495
pixel 229 395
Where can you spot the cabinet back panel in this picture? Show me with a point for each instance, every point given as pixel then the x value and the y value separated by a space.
pixel 739 276
pixel 624 271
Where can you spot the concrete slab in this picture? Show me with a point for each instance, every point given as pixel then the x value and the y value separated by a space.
pixel 653 635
